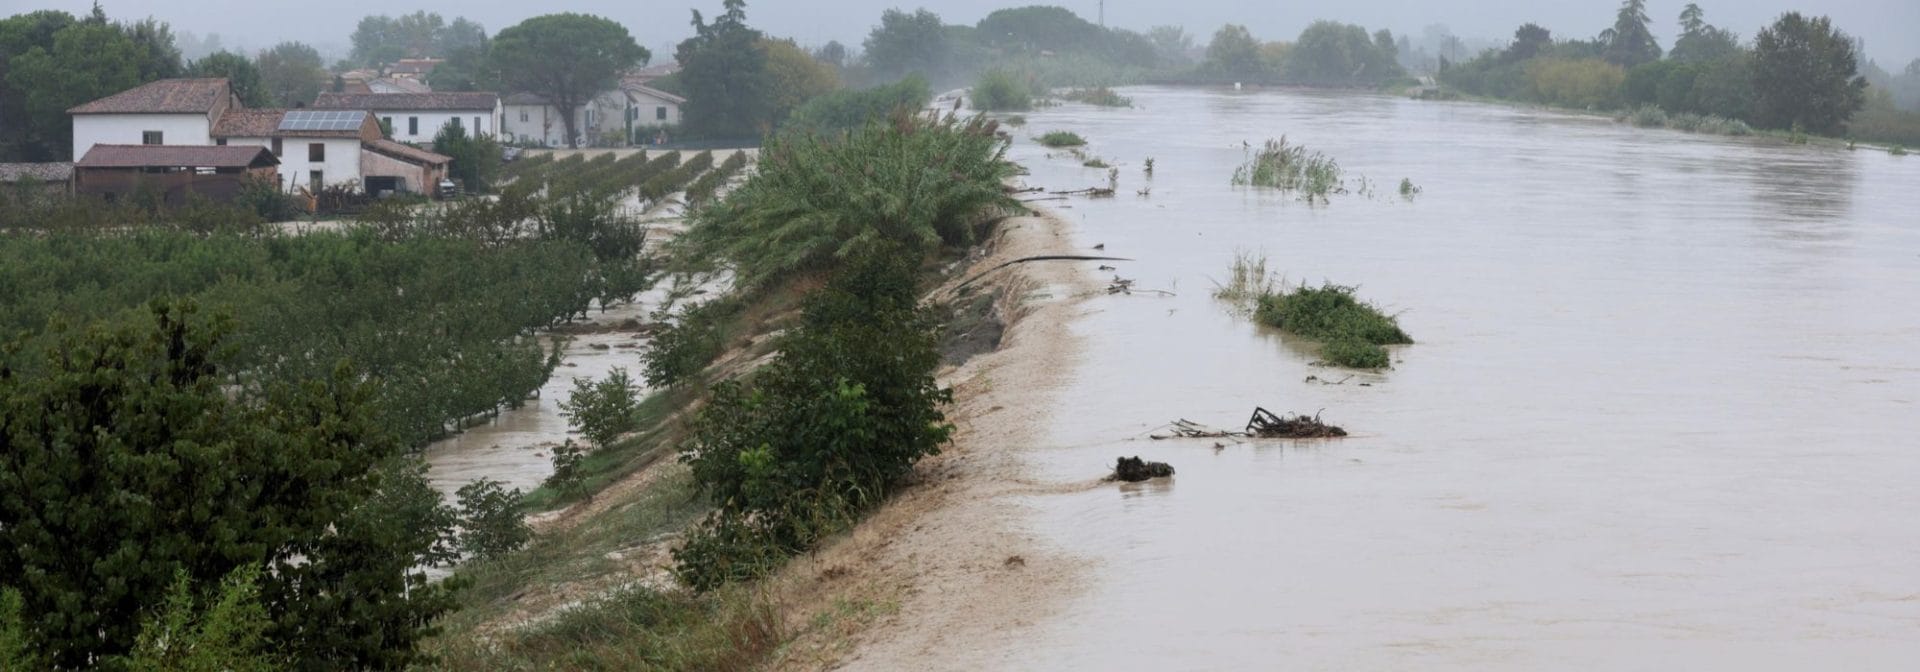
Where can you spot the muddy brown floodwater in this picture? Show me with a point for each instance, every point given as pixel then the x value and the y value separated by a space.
pixel 1662 412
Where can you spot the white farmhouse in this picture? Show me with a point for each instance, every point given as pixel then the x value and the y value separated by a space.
pixel 321 148
pixel 417 117
pixel 613 117
pixel 314 148
pixel 164 112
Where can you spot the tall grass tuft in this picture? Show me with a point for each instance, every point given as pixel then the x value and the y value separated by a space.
pixel 814 201
pixel 1352 332
pixel 1291 168
pixel 1248 281
pixel 1898 150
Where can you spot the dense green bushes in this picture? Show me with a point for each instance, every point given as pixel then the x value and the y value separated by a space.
pixel 1001 91
pixel 911 183
pixel 1351 331
pixel 844 111
pixel 823 432
pixel 133 461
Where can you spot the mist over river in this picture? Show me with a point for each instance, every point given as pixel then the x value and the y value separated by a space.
pixel 1663 412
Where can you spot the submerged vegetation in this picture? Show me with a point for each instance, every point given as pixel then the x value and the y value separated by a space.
pixel 1351 332
pixel 1062 139
pixel 1098 96
pixel 1291 168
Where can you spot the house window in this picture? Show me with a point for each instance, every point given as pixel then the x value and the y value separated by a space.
pixel 413 125
pixel 660 113
pixel 476 127
pixel 151 138
pixel 316 181
pixel 316 152
pixel 589 116
pixel 387 123
pixel 220 141
pixel 276 147
pixel 523 115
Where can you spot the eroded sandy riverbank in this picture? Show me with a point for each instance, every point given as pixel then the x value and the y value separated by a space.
pixel 944 567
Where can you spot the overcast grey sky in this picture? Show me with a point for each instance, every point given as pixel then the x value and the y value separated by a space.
pixel 1890 27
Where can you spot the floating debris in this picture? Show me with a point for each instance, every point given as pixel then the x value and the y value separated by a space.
pixel 1135 470
pixel 1263 425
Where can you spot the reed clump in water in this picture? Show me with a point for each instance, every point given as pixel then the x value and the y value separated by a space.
pixel 1247 281
pixel 1352 332
pixel 1291 168
pixel 1059 139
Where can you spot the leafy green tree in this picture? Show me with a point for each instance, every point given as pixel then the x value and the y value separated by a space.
pixel 1172 44
pixel 566 58
pixel 723 69
pixel 1725 87
pixel 85 61
pixel 18 651
pixel 490 521
pixel 1234 53
pixel 1700 42
pixel 1529 42
pixel 239 71
pixel 603 409
pixel 1630 42
pixel 826 430
pixel 476 157
pixel 292 74
pixel 227 634
pixel 795 77
pixel 843 111
pixel 905 44
pixel 128 461
pixel 1336 54
pixel 832 53
pixel 51 61
pixel 1806 75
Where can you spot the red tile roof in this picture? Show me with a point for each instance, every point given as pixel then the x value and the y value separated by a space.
pixel 406 153
pixel 177 156
pixel 426 102
pixel 166 96
pixel 266 124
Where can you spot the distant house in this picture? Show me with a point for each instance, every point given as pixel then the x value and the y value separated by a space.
pixel 417 117
pixel 532 119
pixel 321 148
pixel 171 172
pixel 164 112
pixel 413 68
pixel 398 85
pixel 312 148
pixel 52 178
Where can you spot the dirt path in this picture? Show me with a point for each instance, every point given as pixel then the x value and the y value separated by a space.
pixel 941 574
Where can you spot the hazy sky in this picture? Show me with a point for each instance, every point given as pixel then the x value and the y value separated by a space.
pixel 1890 27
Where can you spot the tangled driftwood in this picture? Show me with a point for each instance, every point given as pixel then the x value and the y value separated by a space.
pixel 1263 425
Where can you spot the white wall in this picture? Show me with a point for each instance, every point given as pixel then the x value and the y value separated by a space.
pixel 542 125
pixel 431 121
pixel 649 110
pixel 127 129
pixel 342 164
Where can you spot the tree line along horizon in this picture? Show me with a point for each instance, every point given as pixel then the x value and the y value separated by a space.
pixel 742 83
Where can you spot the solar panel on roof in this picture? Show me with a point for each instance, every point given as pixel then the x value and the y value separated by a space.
pixel 323 120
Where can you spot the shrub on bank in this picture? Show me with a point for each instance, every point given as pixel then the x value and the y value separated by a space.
pixel 1061 139
pixel 825 431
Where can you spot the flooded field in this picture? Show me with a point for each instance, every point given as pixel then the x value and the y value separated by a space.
pixel 1662 411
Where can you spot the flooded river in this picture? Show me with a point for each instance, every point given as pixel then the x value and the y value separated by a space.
pixel 1664 411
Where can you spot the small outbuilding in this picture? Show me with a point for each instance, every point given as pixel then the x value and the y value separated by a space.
pixel 47 178
pixel 173 172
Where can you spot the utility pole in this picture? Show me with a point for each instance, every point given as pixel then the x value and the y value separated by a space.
pixel 1103 13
